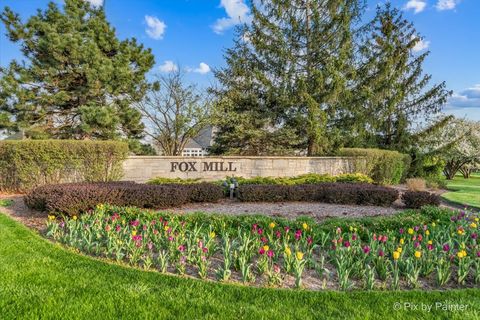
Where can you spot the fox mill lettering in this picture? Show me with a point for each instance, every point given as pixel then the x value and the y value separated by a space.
pixel 193 166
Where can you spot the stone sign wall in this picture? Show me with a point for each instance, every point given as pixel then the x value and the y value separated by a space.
pixel 143 168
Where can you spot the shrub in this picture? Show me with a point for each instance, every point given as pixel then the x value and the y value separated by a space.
pixel 418 199
pixel 30 163
pixel 383 166
pixel 339 193
pixel 416 184
pixel 309 178
pixel 76 198
pixel 161 180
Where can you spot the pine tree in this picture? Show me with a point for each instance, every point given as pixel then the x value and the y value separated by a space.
pixel 392 92
pixel 299 64
pixel 78 79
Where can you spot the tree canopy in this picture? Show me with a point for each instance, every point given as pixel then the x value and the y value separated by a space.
pixel 77 79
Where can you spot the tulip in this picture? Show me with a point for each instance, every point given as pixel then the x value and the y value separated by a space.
pixel 270 253
pixel 446 247
pixel 366 249
pixel 418 254
pixel 346 244
pixel 396 255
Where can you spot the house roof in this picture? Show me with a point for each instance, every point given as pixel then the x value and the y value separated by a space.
pixel 203 140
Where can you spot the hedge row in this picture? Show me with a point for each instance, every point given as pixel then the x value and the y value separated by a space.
pixel 418 199
pixel 73 199
pixel 310 178
pixel 383 166
pixel 338 193
pixel 30 163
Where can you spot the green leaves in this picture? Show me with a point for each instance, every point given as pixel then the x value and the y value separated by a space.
pixel 79 79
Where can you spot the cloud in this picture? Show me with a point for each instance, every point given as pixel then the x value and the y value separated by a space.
pixel 416 5
pixel 155 27
pixel 237 12
pixel 168 66
pixel 203 68
pixel 447 4
pixel 468 98
pixel 420 45
pixel 96 3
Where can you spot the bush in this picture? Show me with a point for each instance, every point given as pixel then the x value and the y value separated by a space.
pixel 31 163
pixel 76 198
pixel 310 178
pixel 416 184
pixel 383 166
pixel 418 199
pixel 339 193
pixel 161 180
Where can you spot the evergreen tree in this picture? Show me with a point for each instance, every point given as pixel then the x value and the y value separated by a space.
pixel 297 59
pixel 78 79
pixel 392 91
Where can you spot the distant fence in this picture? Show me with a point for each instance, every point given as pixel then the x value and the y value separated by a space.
pixel 143 168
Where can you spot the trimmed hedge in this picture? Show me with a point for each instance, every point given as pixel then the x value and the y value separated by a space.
pixel 383 166
pixel 418 199
pixel 27 164
pixel 76 198
pixel 310 178
pixel 338 193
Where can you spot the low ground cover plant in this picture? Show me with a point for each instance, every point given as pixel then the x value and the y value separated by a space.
pixel 339 193
pixel 280 253
pixel 74 199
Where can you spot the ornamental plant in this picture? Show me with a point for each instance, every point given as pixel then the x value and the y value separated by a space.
pixel 267 252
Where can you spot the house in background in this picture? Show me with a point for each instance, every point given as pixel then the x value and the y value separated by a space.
pixel 200 145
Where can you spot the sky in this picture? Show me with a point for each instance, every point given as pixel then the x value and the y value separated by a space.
pixel 192 35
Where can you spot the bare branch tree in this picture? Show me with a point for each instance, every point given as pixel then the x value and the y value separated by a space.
pixel 174 112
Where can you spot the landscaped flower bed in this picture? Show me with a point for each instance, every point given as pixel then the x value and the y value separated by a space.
pixel 277 253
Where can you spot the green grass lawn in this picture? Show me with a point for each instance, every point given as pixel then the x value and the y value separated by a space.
pixel 39 279
pixel 464 191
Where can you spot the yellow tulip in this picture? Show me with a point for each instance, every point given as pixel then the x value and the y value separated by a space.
pixel 410 231
pixel 299 255
pixel 430 242
pixel 134 232
pixel 399 249
pixel 74 218
pixel 396 255
pixel 427 232
pixel 288 252
pixel 212 234
pixel 418 254
pixel 305 226
pixel 266 248
pixel 402 241
pixel 473 225
pixel 272 225
pixel 461 254
pixel 51 217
